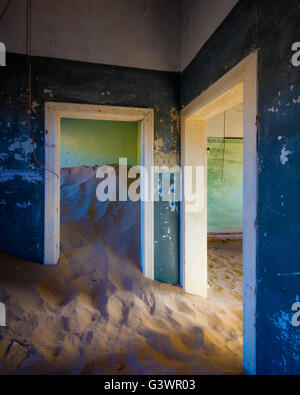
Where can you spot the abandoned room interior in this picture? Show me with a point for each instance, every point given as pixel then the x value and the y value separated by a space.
pixel 149 186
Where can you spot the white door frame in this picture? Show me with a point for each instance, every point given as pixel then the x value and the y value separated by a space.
pixel 54 112
pixel 194 152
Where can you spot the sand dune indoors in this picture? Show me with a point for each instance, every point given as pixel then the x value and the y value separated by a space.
pixel 95 313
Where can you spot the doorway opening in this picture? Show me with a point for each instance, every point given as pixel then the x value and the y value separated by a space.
pixel 108 229
pixel 235 91
pixel 225 206
pixel 60 116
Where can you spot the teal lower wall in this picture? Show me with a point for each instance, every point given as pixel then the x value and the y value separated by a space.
pixel 225 194
pixel 91 142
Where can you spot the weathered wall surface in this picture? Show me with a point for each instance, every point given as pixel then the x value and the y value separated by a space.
pixel 272 28
pixel 134 33
pixel 22 181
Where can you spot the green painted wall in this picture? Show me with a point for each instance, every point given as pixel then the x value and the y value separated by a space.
pixel 88 142
pixel 225 198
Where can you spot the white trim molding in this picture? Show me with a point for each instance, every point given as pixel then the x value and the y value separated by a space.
pixel 54 112
pixel 238 85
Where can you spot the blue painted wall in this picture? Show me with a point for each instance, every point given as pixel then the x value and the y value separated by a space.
pixel 271 27
pixel 22 181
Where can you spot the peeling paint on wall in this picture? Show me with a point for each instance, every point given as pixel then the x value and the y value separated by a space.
pixel 23 204
pixel 284 155
pixel 166 148
pixel 296 101
pixel 29 176
pixel 169 159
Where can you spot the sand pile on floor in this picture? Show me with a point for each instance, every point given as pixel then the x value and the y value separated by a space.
pixel 95 313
